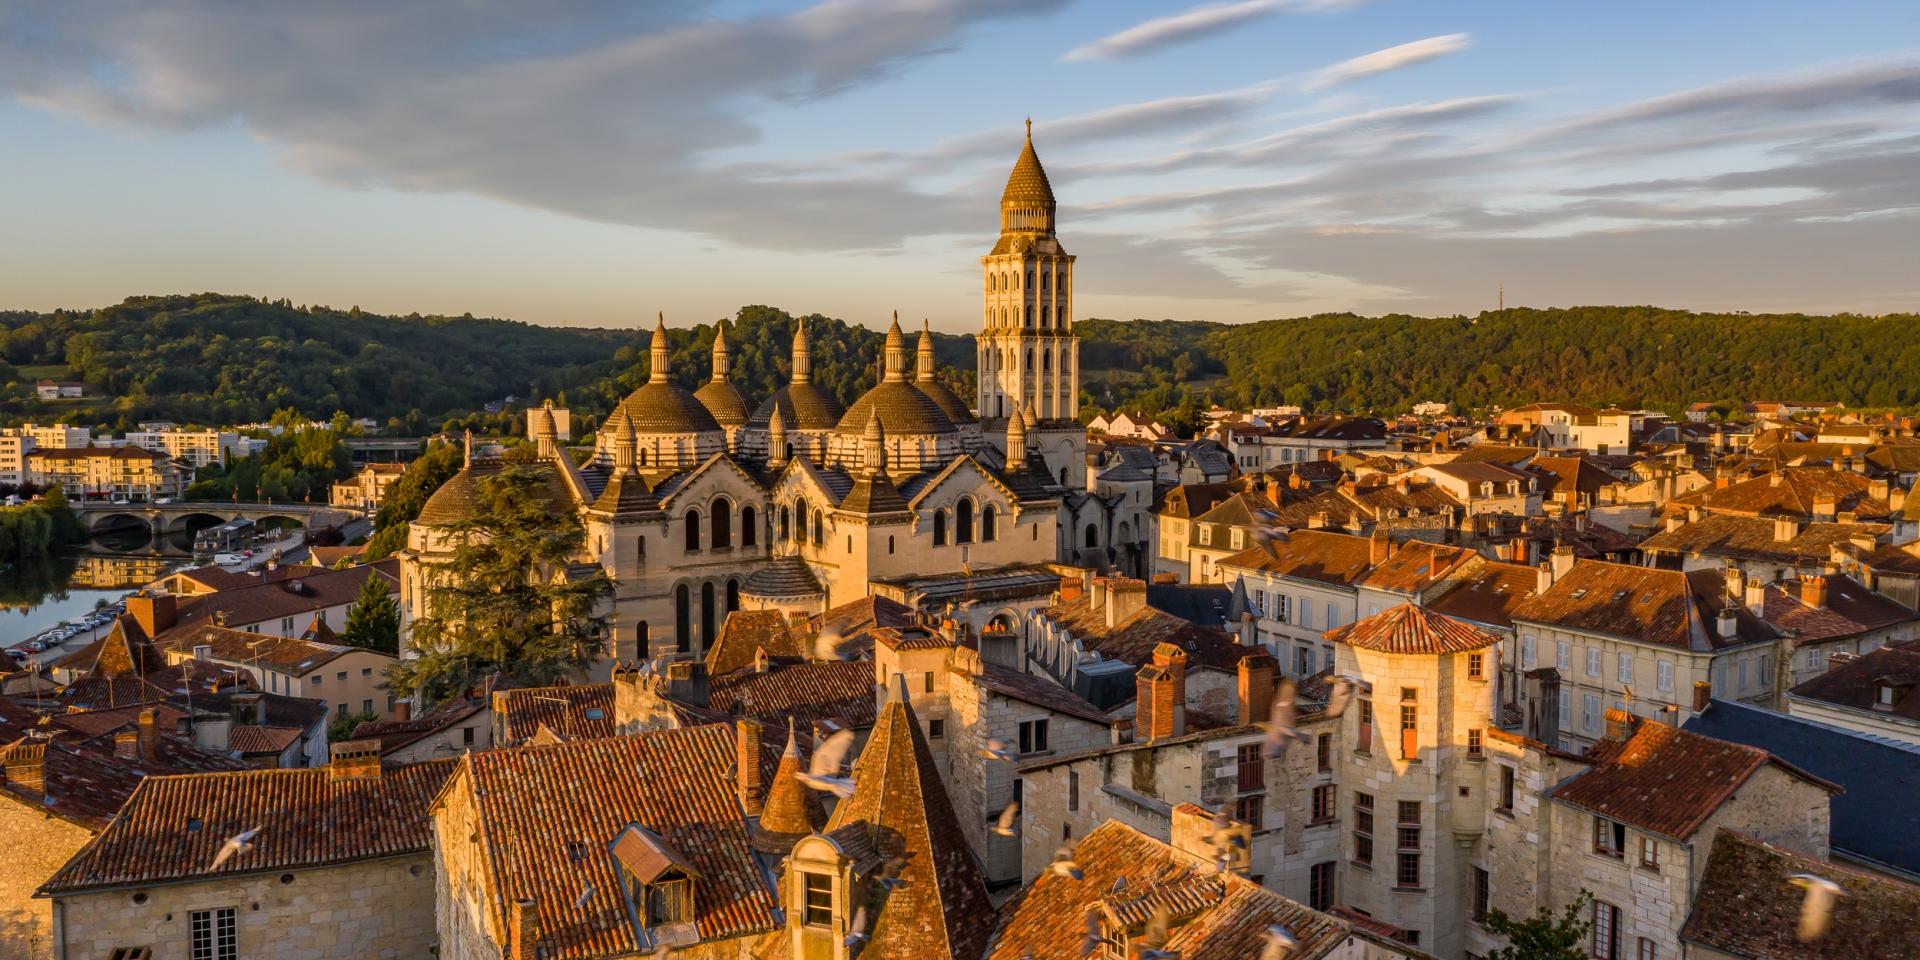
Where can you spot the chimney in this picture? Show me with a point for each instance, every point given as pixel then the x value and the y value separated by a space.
pixel 126 745
pixel 523 930
pixel 149 734
pixel 1161 688
pixel 1071 589
pixel 1756 597
pixel 1296 481
pixel 203 652
pixel 1728 623
pixel 1620 723
pixel 1562 561
pixel 1191 832
pixel 1785 528
pixel 1813 591
pixel 1823 507
pixel 1379 546
pixel 250 708
pixel 1125 597
pixel 153 613
pixel 746 762
pixel 1097 599
pixel 1255 699
pixel 1840 658
pixel 1674 522
pixel 1543 578
pixel 1318 521
pixel 687 682
pixel 26 764
pixel 1702 695
pixel 355 760
pixel 1736 581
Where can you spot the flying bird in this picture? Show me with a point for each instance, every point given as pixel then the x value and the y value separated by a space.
pixel 1064 866
pixel 858 934
pixel 1280 943
pixel 1268 533
pixel 1339 695
pixel 1093 938
pixel 234 846
pixel 1007 817
pixel 1157 927
pixel 826 646
pixel 1279 725
pixel 1816 907
pixel 823 774
pixel 890 872
pixel 997 749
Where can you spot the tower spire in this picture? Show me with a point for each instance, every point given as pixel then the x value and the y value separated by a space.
pixel 873 448
pixel 802 362
pixel 896 353
pixel 546 434
pixel 657 367
pixel 776 438
pixel 923 362
pixel 722 361
pixel 1016 441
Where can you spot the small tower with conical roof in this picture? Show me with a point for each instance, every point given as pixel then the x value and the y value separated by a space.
pixel 657 358
pixel 1016 442
pixel 790 811
pixel 802 361
pixel 894 360
pixel 776 439
pixel 546 436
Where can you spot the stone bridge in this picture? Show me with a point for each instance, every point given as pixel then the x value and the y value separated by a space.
pixel 166 518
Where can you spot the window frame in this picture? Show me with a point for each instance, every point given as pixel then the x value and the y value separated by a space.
pixel 808 907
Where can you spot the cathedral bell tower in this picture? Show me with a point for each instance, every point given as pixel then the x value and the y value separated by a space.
pixel 1029 357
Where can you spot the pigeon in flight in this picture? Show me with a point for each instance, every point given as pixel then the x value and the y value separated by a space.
pixel 1064 866
pixel 1339 695
pixel 234 846
pixel 1280 943
pixel 997 749
pixel 1005 826
pixel 1279 726
pixel 1093 938
pixel 1816 907
pixel 890 872
pixel 858 934
pixel 823 774
pixel 1268 533
pixel 826 646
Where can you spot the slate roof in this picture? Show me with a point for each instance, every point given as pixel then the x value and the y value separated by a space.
pixel 1217 917
pixel 1745 907
pixel 308 818
pixel 1666 780
pixel 1879 778
pixel 579 712
pixel 836 690
pixel 1039 691
pixel 1664 607
pixel 1201 603
pixel 1408 629
pixel 1856 684
pixel 1338 559
pixel 533 803
pixel 1752 538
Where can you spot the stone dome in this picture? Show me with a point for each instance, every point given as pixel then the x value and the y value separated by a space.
pixel 904 410
pixel 803 406
pixel 724 401
pixel 663 407
pixel 949 402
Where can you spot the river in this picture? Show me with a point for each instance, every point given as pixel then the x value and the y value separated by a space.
pixel 36 596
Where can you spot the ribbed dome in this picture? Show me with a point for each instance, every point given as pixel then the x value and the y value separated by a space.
pixel 662 407
pixel 784 578
pixel 455 500
pixel 804 407
pixel 724 401
pixel 904 410
pixel 1028 182
pixel 948 401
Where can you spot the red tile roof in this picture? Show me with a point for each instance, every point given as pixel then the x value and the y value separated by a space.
pixel 1216 917
pixel 1134 638
pixel 85 781
pixel 172 826
pixel 1857 683
pixel 747 632
pixel 535 804
pixel 1334 558
pixel 1486 592
pixel 1791 491
pixel 1746 907
pixel 1664 607
pixel 1416 565
pixel 576 712
pixel 1753 538
pixel 1665 780
pixel 1407 629
pixel 1850 609
pixel 838 690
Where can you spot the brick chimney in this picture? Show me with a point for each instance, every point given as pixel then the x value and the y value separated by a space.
pixel 1620 724
pixel 1813 591
pixel 1125 597
pixel 1161 688
pixel 153 613
pixel 523 930
pixel 1071 589
pixel 403 711
pixel 1379 546
pixel 126 745
pixel 149 737
pixel 26 764
pixel 746 748
pixel 1702 695
pixel 1255 688
pixel 355 760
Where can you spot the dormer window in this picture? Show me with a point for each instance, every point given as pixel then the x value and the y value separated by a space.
pixel 818 891
pixel 655 879
pixel 1885 696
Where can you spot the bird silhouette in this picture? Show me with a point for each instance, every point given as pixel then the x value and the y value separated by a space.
pixel 1339 695
pixel 235 845
pixel 1281 732
pixel 823 773
pixel 1280 943
pixel 1064 866
pixel 857 934
pixel 997 749
pixel 1816 906
pixel 826 645
pixel 1005 826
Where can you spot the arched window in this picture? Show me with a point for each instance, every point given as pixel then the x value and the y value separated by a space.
pixel 940 528
pixel 722 523
pixel 1029 359
pixel 1027 313
pixel 733 595
pixel 1063 476
pixel 819 528
pixel 706 615
pixel 1093 536
pixel 641 640
pixel 641 547
pixel 747 537
pixel 1046 362
pixel 693 529
pixel 963 521
pixel 643 456
pixel 989 523
pixel 1063 360
pixel 786 523
pixel 682 619
pixel 889 545
pixel 1029 279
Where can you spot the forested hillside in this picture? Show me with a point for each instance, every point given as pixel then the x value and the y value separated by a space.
pixel 217 359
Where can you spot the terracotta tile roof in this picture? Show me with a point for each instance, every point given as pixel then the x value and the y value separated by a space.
pixel 394 734
pixel 1134 638
pixel 1334 558
pixel 1850 609
pixel 1193 499
pixel 749 631
pixel 1407 629
pixel 1382 499
pixel 1664 607
pixel 837 690
pixel 218 578
pixel 1791 491
pixel 942 909
pixel 1565 475
pixel 1487 591
pixel 1745 907
pixel 251 738
pixel 1216 917
pixel 1415 566
pixel 535 805
pixel 1664 779
pixel 172 826
pixel 1857 683
pixel 1038 690
pixel 1752 538
pixel 274 600
pixel 85 781
pixel 1496 453
pixel 1903 559
pixel 287 655
pixel 578 712
pixel 856 619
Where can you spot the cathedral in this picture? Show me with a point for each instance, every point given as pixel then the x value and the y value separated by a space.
pixel 697 504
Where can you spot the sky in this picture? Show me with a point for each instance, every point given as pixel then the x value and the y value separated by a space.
pixel 589 162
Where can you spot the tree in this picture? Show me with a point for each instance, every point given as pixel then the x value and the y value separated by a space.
pixel 373 621
pixel 341 726
pixel 406 495
pixel 508 599
pixel 1543 936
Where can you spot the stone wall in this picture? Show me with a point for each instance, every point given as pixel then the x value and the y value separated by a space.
pixel 38 845
pixel 370 910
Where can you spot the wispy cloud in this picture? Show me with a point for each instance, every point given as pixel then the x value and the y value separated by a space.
pixel 1191 24
pixel 1392 58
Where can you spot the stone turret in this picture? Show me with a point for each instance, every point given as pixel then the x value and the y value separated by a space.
pixel 658 361
pixel 802 361
pixel 776 439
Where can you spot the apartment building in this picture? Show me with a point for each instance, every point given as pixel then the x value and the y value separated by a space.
pixel 201 448
pixel 109 473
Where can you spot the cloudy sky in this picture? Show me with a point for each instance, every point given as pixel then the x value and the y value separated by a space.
pixel 589 161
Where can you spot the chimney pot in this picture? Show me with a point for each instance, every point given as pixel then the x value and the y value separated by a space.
pixel 1255 688
pixel 1813 591
pixel 746 741
pixel 149 737
pixel 354 760
pixel 1702 695
pixel 1729 624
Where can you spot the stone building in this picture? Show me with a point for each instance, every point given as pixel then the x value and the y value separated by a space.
pixel 1301 587
pixel 339 867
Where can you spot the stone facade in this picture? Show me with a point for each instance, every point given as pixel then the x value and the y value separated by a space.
pixel 26 924
pixel 368 910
